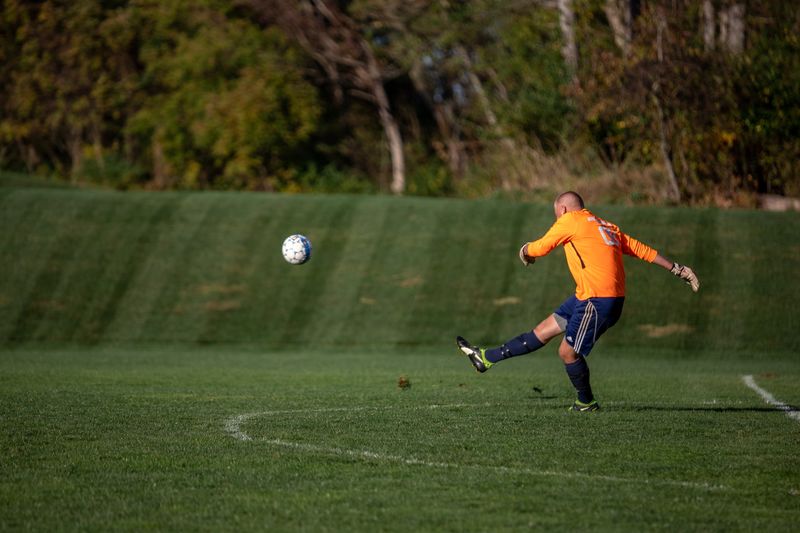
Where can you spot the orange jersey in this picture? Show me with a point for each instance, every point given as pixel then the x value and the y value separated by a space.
pixel 594 251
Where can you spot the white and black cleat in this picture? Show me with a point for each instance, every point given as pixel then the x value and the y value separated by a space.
pixel 474 354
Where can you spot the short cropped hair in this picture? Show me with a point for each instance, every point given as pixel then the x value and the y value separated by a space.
pixel 570 198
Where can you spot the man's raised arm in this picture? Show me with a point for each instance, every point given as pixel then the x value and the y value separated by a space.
pixel 559 233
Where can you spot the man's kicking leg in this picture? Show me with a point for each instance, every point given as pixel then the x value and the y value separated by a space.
pixel 530 341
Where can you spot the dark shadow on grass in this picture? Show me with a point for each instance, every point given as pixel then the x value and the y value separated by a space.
pixel 679 408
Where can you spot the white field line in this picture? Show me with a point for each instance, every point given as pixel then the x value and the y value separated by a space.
pixel 233 424
pixel 790 411
pixel 233 428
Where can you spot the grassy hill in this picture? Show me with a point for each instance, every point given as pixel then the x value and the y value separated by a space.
pixel 89 267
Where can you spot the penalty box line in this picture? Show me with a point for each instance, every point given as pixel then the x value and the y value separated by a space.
pixel 767 396
pixel 233 428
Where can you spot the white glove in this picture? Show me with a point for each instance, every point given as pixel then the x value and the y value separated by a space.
pixel 687 275
pixel 526 259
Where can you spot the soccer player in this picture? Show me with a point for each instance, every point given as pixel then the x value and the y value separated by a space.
pixel 594 249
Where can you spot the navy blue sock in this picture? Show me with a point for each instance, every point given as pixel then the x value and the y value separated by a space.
pixel 519 345
pixel 578 373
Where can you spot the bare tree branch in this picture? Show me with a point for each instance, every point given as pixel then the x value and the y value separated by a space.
pixel 618 13
pixel 566 19
pixel 333 39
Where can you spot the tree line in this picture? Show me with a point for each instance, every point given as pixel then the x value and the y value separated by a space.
pixel 649 100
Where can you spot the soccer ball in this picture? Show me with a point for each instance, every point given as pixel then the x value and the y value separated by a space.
pixel 296 249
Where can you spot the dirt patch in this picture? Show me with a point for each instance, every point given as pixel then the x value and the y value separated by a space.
pixel 411 282
pixel 507 300
pixel 224 305
pixel 219 288
pixel 654 331
pixel 49 305
pixel 367 301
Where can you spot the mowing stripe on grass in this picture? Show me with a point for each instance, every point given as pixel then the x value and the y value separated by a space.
pixel 233 428
pixel 791 412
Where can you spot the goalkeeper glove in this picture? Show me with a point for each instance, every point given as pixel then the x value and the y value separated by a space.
pixel 524 257
pixel 687 275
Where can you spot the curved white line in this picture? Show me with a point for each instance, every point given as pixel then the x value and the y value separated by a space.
pixel 233 428
pixel 233 424
pixel 790 411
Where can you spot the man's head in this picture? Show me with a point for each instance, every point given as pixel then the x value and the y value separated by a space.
pixel 566 202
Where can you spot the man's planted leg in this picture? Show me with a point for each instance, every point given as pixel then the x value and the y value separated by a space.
pixel 578 372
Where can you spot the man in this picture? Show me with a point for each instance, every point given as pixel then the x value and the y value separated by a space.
pixel 594 250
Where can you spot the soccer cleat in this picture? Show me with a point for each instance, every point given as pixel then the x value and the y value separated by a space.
pixel 585 407
pixel 477 356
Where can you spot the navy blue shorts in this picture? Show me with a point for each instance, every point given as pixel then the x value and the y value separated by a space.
pixel 585 320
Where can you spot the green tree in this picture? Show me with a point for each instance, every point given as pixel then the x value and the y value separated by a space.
pixel 227 106
pixel 68 82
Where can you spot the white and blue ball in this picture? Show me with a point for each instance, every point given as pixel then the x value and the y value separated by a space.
pixel 296 249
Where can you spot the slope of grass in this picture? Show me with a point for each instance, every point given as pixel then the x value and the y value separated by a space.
pixel 93 267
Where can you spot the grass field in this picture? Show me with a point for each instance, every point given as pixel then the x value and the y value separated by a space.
pixel 162 368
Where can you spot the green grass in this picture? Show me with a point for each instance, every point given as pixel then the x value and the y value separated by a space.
pixel 136 438
pixel 136 329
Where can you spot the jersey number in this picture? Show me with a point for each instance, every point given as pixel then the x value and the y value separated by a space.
pixel 609 236
pixel 606 230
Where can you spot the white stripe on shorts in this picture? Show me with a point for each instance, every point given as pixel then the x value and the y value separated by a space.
pixel 584 326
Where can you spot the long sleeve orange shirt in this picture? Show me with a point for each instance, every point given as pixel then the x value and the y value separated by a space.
pixel 594 250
